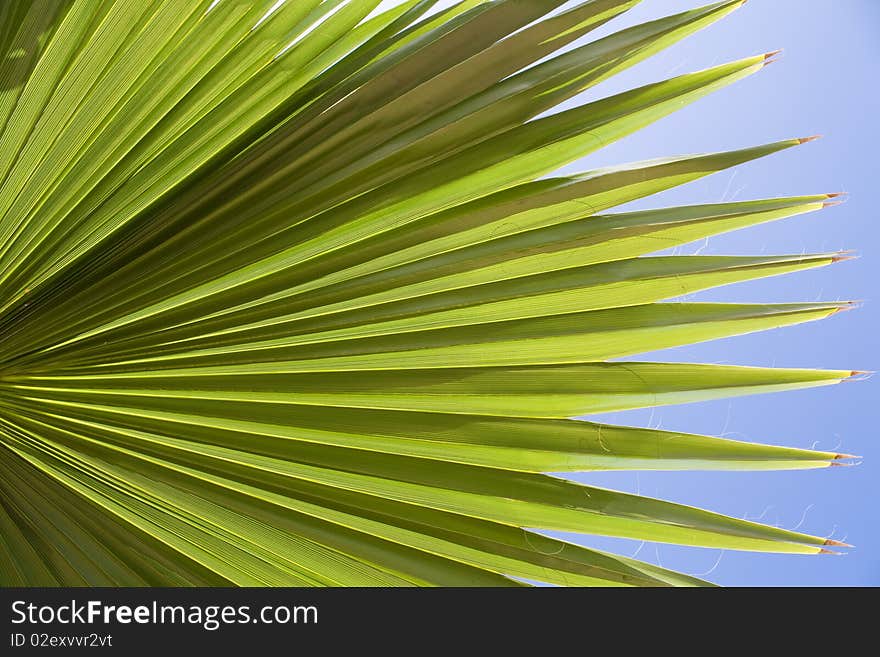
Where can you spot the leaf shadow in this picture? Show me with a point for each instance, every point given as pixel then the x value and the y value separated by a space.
pixel 24 29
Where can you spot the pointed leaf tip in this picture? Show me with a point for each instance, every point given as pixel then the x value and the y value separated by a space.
pixel 834 543
pixel 807 140
pixel 858 375
pixel 841 196
pixel 845 307
pixel 771 57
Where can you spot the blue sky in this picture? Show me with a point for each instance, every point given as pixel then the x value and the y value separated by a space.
pixel 824 84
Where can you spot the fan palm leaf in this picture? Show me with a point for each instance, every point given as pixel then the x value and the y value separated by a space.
pixel 290 295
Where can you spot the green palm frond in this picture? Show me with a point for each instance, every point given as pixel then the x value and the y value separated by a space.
pixel 289 295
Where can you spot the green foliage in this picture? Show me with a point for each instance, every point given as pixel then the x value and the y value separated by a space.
pixel 293 297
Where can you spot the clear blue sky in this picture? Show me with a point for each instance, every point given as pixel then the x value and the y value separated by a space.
pixel 825 84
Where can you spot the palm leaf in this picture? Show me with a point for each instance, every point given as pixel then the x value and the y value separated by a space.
pixel 289 295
